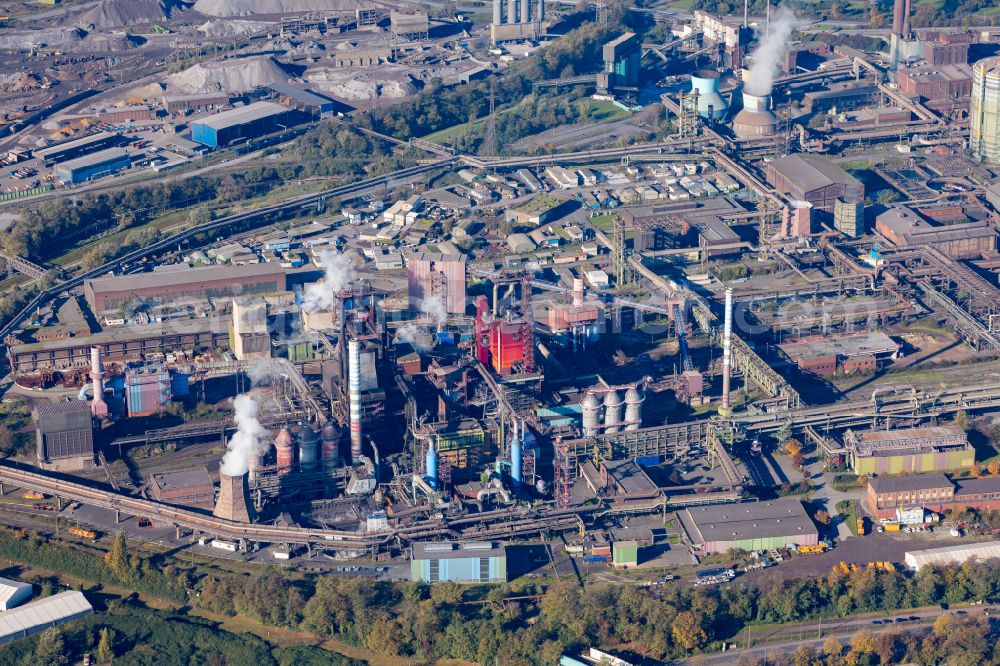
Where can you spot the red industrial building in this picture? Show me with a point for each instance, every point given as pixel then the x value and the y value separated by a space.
pixel 906 227
pixel 439 277
pixel 125 114
pixel 936 81
pixel 825 356
pixel 507 345
pixel 188 487
pixel 947 48
pixel 934 492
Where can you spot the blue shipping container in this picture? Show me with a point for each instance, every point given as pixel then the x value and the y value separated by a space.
pixel 647 461
pixel 595 559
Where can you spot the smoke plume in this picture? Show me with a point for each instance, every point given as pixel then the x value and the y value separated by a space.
pixel 769 52
pixel 416 333
pixel 338 274
pixel 251 438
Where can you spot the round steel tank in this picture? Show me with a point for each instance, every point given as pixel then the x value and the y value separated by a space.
pixel 284 451
pixel 308 449
pixel 633 408
pixel 711 104
pixel 755 118
pixel 330 443
pixel 591 414
pixel 612 411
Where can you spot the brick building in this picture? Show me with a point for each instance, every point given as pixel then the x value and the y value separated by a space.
pixel 936 81
pixel 934 492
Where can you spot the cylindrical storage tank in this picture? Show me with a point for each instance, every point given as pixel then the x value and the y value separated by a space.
pixel 591 414
pixel 633 408
pixel 497 12
pixel 612 411
pixel 516 460
pixel 984 110
pixel 308 449
pixel 432 465
pixel 711 104
pixel 284 451
pixel 755 118
pixel 330 444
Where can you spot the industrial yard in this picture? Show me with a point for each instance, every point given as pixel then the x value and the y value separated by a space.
pixel 532 298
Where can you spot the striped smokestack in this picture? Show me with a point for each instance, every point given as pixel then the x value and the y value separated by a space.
pixel 98 407
pixel 727 343
pixel 354 379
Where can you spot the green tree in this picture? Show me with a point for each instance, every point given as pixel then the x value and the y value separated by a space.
pixel 50 649
pixel 118 559
pixel 105 649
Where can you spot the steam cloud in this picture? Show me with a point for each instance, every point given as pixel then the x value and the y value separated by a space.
pixel 251 438
pixel 338 274
pixel 416 333
pixel 769 53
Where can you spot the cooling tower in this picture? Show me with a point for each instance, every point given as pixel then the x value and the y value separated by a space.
pixel 711 104
pixel 755 118
pixel 234 499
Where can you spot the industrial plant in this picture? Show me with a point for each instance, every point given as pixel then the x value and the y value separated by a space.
pixel 740 296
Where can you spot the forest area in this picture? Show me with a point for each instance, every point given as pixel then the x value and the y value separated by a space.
pixel 422 622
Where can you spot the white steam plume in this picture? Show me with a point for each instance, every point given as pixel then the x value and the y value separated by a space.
pixel 769 52
pixel 416 333
pixel 251 438
pixel 338 274
pixel 262 371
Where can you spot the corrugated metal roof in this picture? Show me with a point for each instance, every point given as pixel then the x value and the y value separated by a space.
pixel 247 114
pixel 811 172
pixel 44 611
pixel 917 559
pixel 188 275
pixel 64 407
pixel 896 484
pixel 74 143
pixel 94 159
pixel 8 588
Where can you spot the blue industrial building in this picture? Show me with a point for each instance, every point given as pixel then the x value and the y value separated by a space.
pixel 249 122
pixel 468 562
pixel 96 165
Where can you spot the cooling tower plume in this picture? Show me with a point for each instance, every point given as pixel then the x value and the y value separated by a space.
pixel 769 53
pixel 251 438
pixel 338 274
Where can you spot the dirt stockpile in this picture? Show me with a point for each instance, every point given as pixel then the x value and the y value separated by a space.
pixel 232 28
pixel 250 7
pixel 111 14
pixel 231 76
pixel 69 40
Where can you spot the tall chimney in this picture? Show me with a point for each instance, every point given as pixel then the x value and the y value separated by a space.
pixel 234 499
pixel 727 345
pixel 98 407
pixel 577 292
pixel 354 378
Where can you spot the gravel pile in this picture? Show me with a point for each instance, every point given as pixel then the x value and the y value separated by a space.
pixel 68 40
pixel 232 76
pixel 111 14
pixel 232 28
pixel 250 7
